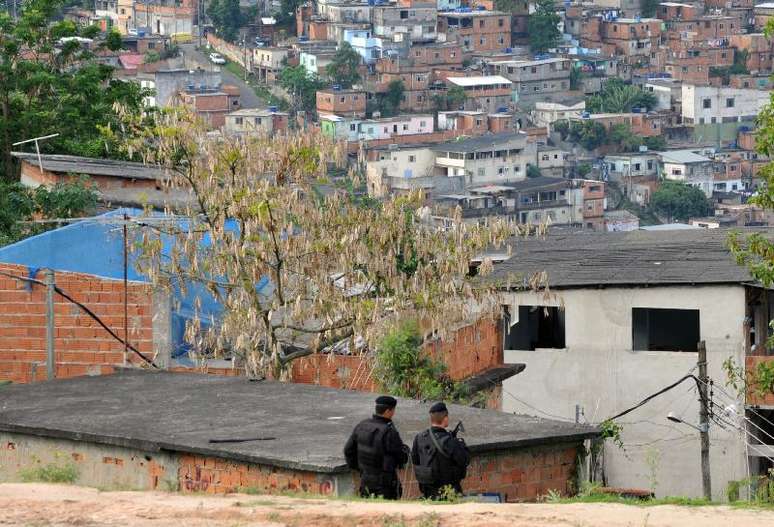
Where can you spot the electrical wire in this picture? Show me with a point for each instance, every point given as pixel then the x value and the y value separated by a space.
pixel 653 396
pixel 549 415
pixel 85 310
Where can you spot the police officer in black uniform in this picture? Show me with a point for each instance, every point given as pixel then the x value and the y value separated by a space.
pixel 440 459
pixel 377 451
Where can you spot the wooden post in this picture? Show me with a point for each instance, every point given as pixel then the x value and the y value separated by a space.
pixel 706 482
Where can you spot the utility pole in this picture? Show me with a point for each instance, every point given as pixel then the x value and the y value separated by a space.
pixel 706 482
pixel 50 355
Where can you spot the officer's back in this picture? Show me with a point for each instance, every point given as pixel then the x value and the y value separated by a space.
pixel 440 459
pixel 377 451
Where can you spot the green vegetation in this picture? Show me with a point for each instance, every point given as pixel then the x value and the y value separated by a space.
pixel 739 67
pixel 593 134
pixel 677 201
pixel 451 99
pixel 388 103
pixel 648 7
pixel 619 97
pixel 301 86
pixel 532 171
pixel 542 27
pixel 69 92
pixel 343 68
pixel 227 18
pixel 404 369
pixel 19 203
pixel 286 15
pixel 584 169
pixel 50 473
pixel 576 76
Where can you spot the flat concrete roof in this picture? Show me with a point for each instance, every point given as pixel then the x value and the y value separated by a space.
pixel 155 411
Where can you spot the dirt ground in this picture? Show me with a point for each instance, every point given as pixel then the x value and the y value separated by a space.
pixel 42 505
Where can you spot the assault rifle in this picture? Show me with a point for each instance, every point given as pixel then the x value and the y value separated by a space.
pixel 457 429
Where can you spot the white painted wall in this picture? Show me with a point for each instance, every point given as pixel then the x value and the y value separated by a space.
pixel 599 371
pixel 746 102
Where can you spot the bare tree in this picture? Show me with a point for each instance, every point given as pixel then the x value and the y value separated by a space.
pixel 339 269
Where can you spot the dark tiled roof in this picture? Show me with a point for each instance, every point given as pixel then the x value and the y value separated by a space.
pixel 588 259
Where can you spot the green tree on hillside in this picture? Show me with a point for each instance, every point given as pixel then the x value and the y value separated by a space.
pixel 389 102
pixel 301 86
pixel 227 18
pixel 648 7
pixel 542 27
pixel 343 68
pixel 619 97
pixel 51 86
pixel 678 201
pixel 19 204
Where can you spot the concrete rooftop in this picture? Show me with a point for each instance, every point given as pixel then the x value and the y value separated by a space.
pixel 155 411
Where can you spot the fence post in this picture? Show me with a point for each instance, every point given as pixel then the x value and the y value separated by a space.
pixel 50 355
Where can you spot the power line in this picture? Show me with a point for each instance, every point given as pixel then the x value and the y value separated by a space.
pixel 87 311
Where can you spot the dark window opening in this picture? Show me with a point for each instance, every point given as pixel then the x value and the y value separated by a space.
pixel 665 329
pixel 537 327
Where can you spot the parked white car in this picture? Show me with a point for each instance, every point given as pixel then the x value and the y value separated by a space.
pixel 217 58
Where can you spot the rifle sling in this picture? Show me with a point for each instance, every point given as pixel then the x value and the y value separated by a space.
pixel 437 444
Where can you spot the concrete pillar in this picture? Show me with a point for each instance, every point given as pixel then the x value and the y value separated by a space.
pixel 162 328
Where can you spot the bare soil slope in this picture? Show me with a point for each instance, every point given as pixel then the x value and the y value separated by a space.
pixel 54 505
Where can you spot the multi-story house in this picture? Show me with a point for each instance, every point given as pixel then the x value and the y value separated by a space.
pixel 256 121
pixel 402 23
pixel 688 167
pixel 488 93
pixel 489 159
pixel 535 80
pixel 477 31
pixel 268 61
pixel 636 39
pixel 628 311
pixel 347 103
pixel 715 114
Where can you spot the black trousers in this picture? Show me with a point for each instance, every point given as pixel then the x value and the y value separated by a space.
pixel 383 485
pixel 433 492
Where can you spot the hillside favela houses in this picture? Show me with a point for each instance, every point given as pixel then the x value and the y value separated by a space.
pixel 618 146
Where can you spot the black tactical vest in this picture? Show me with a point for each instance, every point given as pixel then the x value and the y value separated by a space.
pixel 436 467
pixel 370 446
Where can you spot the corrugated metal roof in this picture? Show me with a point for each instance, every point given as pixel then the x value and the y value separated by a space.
pixel 588 259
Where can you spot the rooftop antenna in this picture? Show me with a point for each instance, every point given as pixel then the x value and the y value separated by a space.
pixel 37 146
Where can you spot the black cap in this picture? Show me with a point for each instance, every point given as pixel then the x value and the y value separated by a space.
pixel 438 407
pixel 386 400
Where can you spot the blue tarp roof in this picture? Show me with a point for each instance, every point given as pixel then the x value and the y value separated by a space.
pixel 96 247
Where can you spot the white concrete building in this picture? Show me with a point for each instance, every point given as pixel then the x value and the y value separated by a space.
pixel 717 112
pixel 690 168
pixel 488 159
pixel 395 170
pixel 622 321
pixel 547 113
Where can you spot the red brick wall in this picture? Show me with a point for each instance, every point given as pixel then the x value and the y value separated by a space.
pixel 335 371
pixel 473 349
pixel 214 476
pixel 518 475
pixel 82 347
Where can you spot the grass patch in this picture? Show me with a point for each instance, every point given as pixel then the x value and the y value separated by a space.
pixel 50 473
pixel 235 68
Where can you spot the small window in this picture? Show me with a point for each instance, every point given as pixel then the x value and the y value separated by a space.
pixel 536 327
pixel 665 329
pixel 706 103
pixel 730 102
pixel 352 127
pixel 412 159
pixel 238 120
